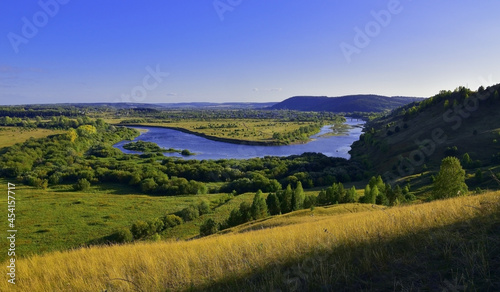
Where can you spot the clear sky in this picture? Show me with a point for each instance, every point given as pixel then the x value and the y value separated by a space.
pixel 242 50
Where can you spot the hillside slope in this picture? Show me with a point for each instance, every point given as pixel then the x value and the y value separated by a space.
pixel 418 136
pixel 419 247
pixel 348 103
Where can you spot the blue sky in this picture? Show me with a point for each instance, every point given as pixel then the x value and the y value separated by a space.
pixel 242 50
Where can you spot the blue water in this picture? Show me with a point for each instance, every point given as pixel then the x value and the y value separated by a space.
pixel 333 146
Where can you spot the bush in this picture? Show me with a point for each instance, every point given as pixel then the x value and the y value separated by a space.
pixel 140 229
pixel 204 207
pixel 123 235
pixel 82 185
pixel 171 220
pixel 156 225
pixel 209 227
pixel 190 213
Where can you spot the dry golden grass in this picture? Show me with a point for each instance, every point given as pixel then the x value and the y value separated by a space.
pixel 182 265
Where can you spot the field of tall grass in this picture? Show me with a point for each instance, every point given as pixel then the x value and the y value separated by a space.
pixel 12 135
pixel 447 245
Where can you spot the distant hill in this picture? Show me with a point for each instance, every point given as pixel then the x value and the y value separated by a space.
pixel 348 103
pixel 182 105
pixel 224 105
pixel 415 138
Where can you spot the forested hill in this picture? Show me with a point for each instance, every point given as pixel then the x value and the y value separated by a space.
pixel 415 138
pixel 348 103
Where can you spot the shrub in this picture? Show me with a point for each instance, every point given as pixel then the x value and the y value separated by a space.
pixel 140 229
pixel 190 213
pixel 81 185
pixel 204 207
pixel 156 225
pixel 123 235
pixel 171 220
pixel 209 227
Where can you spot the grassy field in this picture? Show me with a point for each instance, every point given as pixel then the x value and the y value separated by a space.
pixel 239 129
pixel 12 135
pixel 61 219
pixel 441 245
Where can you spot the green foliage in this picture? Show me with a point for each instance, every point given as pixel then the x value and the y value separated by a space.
pixel 209 227
pixel 204 207
pixel 450 181
pixel 273 204
pixel 478 176
pixel 144 147
pixel 285 198
pixel 82 185
pixel 310 201
pixel 186 152
pixel 298 197
pixel 259 206
pixel 240 215
pixel 123 235
pixel 140 229
pixel 190 213
pixel 171 220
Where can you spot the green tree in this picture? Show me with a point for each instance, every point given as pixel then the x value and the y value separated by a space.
pixel 367 195
pixel 478 176
pixel 466 160
pixel 171 220
pixel 286 200
pixel 309 201
pixel 259 206
pixel 273 204
pixel 450 181
pixel 204 207
pixel 374 193
pixel 140 229
pixel 209 227
pixel 298 197
pixel 350 195
pixel 190 213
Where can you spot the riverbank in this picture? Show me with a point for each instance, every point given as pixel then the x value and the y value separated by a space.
pixel 209 137
pixel 334 146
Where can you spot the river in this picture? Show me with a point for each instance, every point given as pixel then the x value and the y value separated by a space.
pixel 333 146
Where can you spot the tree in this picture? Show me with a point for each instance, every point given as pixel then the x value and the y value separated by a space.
pixel 140 229
pixel 466 160
pixel 373 195
pixel 204 207
pixel 298 197
pixel 450 181
pixel 273 204
pixel 259 206
pixel 190 213
pixel 309 201
pixel 171 220
pixel 366 198
pixel 209 227
pixel 350 195
pixel 286 200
